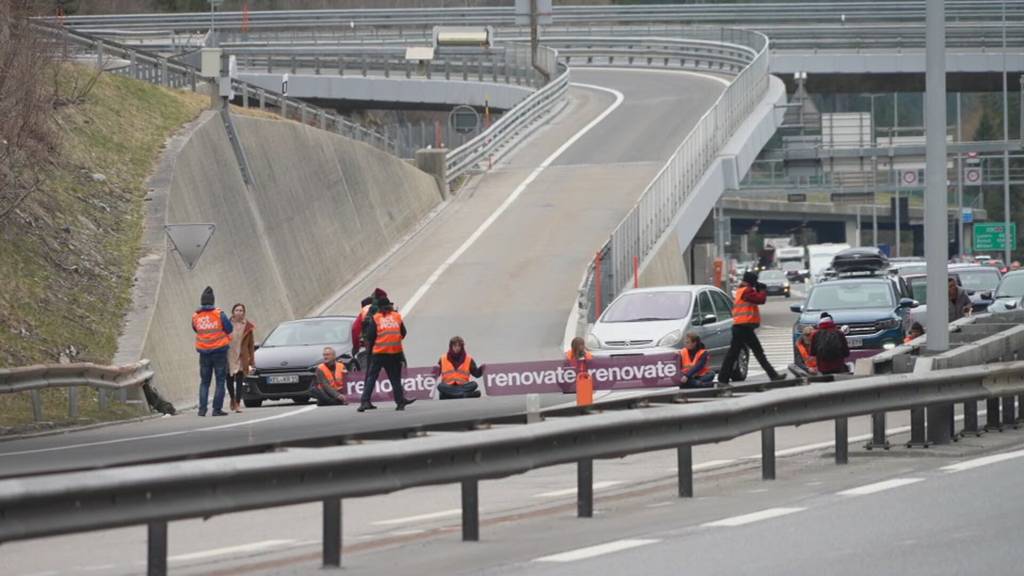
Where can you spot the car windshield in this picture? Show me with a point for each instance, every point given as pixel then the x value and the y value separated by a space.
pixel 1012 286
pixel 337 331
pixel 791 265
pixel 979 279
pixel 649 307
pixel 772 276
pixel 919 289
pixel 848 295
pixel 908 269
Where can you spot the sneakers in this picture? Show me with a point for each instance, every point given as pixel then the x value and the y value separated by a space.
pixel 365 407
pixel 219 413
pixel 401 406
pixel 777 377
pixel 202 413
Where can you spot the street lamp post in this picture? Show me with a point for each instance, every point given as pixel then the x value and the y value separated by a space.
pixel 936 233
pixel 1007 249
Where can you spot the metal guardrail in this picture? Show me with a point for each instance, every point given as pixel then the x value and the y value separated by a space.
pixel 49 376
pixel 157 494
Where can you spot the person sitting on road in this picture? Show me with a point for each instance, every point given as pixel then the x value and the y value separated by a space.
pixel 456 368
pixel 806 364
pixel 578 356
pixel 695 364
pixel 915 332
pixel 829 347
pixel 329 386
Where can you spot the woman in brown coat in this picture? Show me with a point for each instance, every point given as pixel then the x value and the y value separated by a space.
pixel 240 354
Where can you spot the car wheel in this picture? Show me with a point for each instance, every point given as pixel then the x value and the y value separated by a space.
pixel 787 293
pixel 740 373
pixel 253 403
pixel 301 399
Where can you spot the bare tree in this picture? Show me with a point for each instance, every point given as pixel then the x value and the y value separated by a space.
pixel 26 103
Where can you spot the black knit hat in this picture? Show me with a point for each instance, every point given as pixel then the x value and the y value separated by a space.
pixel 750 277
pixel 207 298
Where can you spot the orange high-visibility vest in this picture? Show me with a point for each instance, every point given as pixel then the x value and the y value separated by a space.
pixel 455 375
pixel 337 379
pixel 690 362
pixel 744 312
pixel 389 333
pixel 805 353
pixel 210 334
pixel 584 384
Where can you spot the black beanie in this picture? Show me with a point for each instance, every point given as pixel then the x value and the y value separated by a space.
pixel 207 298
pixel 750 277
pixel 825 315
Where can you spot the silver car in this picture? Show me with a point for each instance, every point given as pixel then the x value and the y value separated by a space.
pixel 655 320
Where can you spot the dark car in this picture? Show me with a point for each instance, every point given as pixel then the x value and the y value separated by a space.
pixel 285 361
pixel 775 281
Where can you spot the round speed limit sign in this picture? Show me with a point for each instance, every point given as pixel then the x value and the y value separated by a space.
pixel 972 176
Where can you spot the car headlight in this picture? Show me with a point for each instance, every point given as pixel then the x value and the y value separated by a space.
pixel 671 339
pixel 592 342
pixel 785 284
pixel 890 324
pixel 1011 304
pixel 888 345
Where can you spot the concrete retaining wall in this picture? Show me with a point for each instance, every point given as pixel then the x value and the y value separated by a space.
pixel 320 210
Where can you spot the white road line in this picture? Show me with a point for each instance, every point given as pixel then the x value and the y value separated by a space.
pixel 231 550
pixel 422 291
pixel 709 465
pixel 724 81
pixel 979 462
pixel 753 517
pixel 153 436
pixel 879 486
pixel 97 568
pixel 430 516
pixel 572 491
pixel 593 551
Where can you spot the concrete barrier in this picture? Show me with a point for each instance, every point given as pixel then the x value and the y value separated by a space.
pixel 320 209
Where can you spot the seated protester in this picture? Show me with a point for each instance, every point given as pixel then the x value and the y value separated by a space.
pixel 915 332
pixel 829 347
pixel 329 384
pixel 455 368
pixel 806 363
pixel 695 364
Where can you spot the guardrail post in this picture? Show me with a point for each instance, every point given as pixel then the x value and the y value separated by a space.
pixel 37 406
pixel 156 549
pixel 73 403
pixel 332 532
pixel 341 66
pixel 971 419
pixel 1010 411
pixel 323 120
pixel 992 415
pixel 842 441
pixel 293 65
pixel 316 65
pixel 768 453
pixel 684 460
pixel 263 100
pixel 470 510
pixel 878 439
pixel 103 395
pixel 99 55
pixel 302 113
pixel 245 97
pixel 917 432
pixel 163 73
pixel 585 488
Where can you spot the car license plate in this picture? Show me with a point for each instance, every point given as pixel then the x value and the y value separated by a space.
pixel 289 379
pixel 854 342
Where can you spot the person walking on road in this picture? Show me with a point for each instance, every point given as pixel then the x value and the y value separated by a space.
pixel 357 329
pixel 579 357
pixel 829 347
pixel 329 386
pixel 695 364
pixel 455 369
pixel 746 318
pixel 240 354
pixel 959 301
pixel 384 339
pixel 213 338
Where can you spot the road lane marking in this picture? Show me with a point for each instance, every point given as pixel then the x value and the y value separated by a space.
pixel 422 291
pixel 231 550
pixel 752 517
pixel 420 517
pixel 985 461
pixel 724 81
pixel 594 551
pixel 879 486
pixel 258 420
pixel 572 491
pixel 709 465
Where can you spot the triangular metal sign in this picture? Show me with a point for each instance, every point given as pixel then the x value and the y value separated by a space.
pixel 190 240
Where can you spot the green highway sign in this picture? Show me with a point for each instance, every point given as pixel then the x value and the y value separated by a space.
pixel 990 236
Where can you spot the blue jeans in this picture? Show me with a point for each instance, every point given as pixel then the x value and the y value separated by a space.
pixel 209 364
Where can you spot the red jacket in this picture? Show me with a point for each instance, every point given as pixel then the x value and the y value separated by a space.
pixel 755 296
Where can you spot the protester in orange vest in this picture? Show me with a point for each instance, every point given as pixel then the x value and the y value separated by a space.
pixel 806 363
pixel 329 384
pixel 578 357
pixel 213 329
pixel 384 337
pixel 746 317
pixel 916 331
pixel 695 364
pixel 455 370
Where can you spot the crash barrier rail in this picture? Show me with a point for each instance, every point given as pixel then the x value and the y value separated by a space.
pixel 156 494
pixel 632 241
pixel 33 379
pixel 156 69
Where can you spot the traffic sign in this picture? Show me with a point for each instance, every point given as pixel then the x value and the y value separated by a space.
pixel 991 236
pixel 464 119
pixel 190 240
pixel 544 12
pixel 972 175
pixel 968 215
pixel 908 177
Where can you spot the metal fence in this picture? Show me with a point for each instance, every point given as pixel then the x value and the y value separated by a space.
pixel 33 379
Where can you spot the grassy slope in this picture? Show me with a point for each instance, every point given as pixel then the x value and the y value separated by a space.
pixel 69 254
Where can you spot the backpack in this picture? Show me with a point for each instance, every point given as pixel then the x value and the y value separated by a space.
pixel 828 345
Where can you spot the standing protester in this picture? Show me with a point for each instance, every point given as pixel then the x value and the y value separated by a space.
pixel 384 339
pixel 746 317
pixel 329 386
pixel 806 363
pixel 213 329
pixel 240 354
pixel 455 369
pixel 829 347
pixel 357 328
pixel 578 357
pixel 695 364
pixel 959 301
